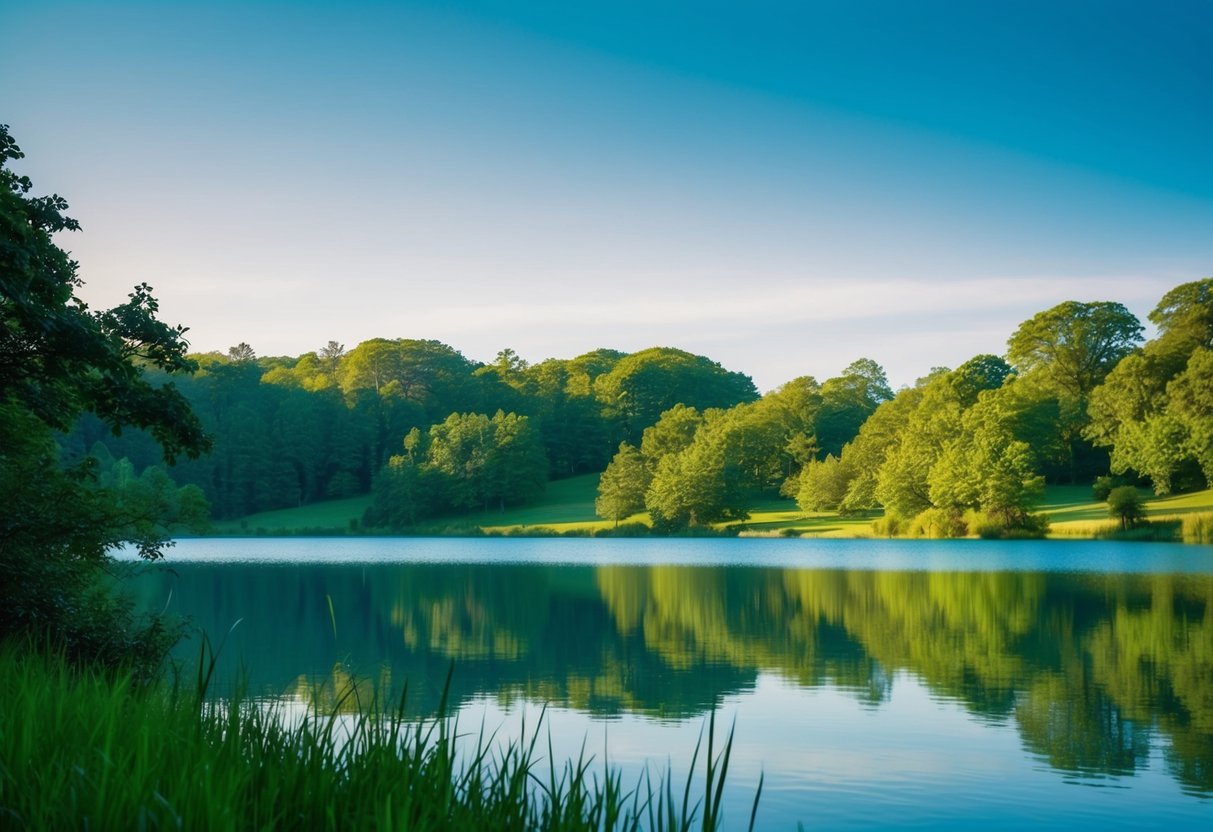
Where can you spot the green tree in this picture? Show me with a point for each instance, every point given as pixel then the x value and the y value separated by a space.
pixel 1126 505
pixel 59 359
pixel 823 485
pixel 688 489
pixel 672 433
pixel 622 486
pixel 516 469
pixel 936 423
pixel 862 458
pixel 1066 352
pixel 643 385
pixel 847 401
pixel 486 461
pixel 987 468
pixel 1074 346
pixel 1190 403
pixel 1132 413
pixel 733 457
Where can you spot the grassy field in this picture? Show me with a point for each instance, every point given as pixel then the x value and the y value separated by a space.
pixel 568 506
pixel 1073 512
pixel 330 515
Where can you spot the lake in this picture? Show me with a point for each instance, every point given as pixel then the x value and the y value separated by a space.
pixel 891 684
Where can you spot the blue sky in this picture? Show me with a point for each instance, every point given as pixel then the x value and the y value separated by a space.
pixel 781 186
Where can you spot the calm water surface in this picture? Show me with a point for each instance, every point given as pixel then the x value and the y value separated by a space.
pixel 875 683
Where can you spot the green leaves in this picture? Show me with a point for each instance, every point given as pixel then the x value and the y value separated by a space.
pixel 59 360
pixel 623 484
pixel 1153 410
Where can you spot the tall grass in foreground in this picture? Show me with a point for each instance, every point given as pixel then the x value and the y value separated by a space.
pixel 88 750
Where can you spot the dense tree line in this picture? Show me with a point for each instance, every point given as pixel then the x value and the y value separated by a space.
pixel 963 451
pixel 333 423
pixel 1076 396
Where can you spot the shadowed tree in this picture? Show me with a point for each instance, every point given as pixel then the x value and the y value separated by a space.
pixel 58 360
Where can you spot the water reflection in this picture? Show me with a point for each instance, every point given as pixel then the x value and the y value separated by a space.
pixel 1092 670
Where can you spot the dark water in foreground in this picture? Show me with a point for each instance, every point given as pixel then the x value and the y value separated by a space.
pixel 876 683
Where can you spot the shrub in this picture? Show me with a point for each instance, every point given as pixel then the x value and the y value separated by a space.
pixel 938 523
pixel 888 526
pixel 994 527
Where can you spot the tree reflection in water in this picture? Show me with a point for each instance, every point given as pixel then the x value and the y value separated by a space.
pixel 1090 668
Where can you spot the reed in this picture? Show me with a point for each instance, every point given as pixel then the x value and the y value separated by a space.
pixel 89 749
pixel 1198 528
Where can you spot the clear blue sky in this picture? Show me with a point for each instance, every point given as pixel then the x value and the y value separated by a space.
pixel 781 186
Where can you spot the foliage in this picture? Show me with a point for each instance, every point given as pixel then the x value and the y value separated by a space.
pixel 623 484
pixel 988 469
pixel 468 461
pixel 823 485
pixel 937 523
pixel 487 461
pixel 1126 504
pixel 1102 487
pixel 1073 346
pixel 643 385
pixel 1152 410
pixel 58 360
pixel 847 401
pixel 733 457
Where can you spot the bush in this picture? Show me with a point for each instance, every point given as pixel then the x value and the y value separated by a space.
pixel 992 527
pixel 938 523
pixel 634 529
pixel 887 526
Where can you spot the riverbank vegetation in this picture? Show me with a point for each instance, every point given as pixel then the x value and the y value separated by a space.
pixel 84 747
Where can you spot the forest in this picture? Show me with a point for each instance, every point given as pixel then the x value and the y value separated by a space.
pixel 1079 397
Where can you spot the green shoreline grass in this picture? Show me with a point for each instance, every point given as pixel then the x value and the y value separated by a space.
pixel 84 749
pixel 567 507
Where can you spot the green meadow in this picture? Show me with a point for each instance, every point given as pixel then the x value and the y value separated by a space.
pixel 567 507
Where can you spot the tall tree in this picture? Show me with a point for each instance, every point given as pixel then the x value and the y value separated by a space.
pixel 59 359
pixel 1066 352
pixel 847 401
pixel 622 486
